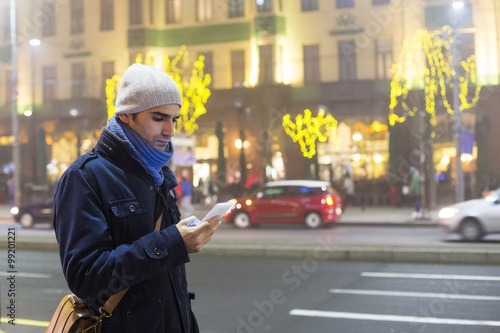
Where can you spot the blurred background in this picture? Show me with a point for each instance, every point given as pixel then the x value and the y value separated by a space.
pixel 273 89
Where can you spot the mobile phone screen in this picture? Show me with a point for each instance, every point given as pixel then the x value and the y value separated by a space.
pixel 219 209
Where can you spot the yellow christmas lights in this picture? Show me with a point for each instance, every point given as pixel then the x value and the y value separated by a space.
pixel 194 89
pixel 111 89
pixel 307 129
pixel 437 75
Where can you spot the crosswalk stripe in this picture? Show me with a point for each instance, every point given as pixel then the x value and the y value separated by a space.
pixel 26 322
pixel 28 275
pixel 431 276
pixel 413 294
pixel 378 317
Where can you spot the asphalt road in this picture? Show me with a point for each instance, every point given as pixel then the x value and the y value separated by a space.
pixel 296 295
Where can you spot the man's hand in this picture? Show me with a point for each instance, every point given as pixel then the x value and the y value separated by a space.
pixel 197 236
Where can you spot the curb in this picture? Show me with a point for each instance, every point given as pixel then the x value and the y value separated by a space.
pixel 409 223
pixel 370 253
pixel 322 252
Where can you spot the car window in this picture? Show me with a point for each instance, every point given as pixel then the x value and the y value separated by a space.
pixel 273 192
pixel 302 191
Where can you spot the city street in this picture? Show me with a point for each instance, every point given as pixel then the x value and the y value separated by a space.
pixel 290 295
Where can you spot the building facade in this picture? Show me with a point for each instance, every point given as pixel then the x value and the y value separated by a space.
pixel 266 58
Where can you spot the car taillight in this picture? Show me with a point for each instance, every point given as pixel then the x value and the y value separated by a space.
pixel 329 200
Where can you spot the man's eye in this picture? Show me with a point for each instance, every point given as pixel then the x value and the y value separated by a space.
pixel 175 120
pixel 157 119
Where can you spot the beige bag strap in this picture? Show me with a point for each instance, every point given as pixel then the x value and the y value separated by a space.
pixel 113 301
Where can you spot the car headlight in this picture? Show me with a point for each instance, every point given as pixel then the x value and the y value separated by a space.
pixel 14 210
pixel 447 213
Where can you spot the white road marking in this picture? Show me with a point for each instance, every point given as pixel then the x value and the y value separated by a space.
pixel 413 294
pixel 431 276
pixel 28 275
pixel 378 317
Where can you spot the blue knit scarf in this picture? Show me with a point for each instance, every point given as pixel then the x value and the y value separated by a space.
pixel 152 159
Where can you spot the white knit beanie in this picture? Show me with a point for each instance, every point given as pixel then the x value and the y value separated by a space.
pixel 144 87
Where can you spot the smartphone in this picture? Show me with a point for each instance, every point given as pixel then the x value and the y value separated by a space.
pixel 219 209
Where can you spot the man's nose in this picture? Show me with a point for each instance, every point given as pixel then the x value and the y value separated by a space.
pixel 168 127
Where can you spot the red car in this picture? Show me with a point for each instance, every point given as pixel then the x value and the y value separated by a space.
pixel 311 202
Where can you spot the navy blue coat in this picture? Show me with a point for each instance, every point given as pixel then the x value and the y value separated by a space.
pixel 106 206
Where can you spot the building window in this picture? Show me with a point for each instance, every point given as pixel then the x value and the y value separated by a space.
pixel 383 56
pixel 266 68
pixel 438 16
pixel 108 70
pixel 209 65
pixel 236 8
pixel 8 87
pixel 135 12
pixel 238 68
pixel 77 17
pixel 172 11
pixel 151 11
pixel 311 64
pixel 345 3
pixel 347 60
pixel 263 6
pixel 380 2
pixel 78 80
pixel 107 15
pixel 49 75
pixel 309 5
pixel 49 25
pixel 204 10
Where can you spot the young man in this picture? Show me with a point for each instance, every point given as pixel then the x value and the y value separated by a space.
pixel 108 202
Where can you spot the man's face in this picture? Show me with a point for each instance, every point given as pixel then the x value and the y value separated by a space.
pixel 156 125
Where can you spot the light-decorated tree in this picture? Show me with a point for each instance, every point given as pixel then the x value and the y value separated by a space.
pixel 191 79
pixel 306 130
pixel 433 75
pixel 422 84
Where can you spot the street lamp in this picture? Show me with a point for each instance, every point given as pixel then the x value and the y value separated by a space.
pixel 34 43
pixel 459 185
pixel 16 148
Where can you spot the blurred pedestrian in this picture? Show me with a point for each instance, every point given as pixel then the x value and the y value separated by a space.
pixel 116 219
pixel 11 190
pixel 349 192
pixel 416 192
pixel 186 195
pixel 213 191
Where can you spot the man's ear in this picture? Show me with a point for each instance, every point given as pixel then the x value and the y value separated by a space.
pixel 125 118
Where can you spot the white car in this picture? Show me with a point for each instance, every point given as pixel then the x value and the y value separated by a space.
pixel 474 218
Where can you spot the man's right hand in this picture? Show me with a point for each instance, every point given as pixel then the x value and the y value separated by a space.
pixel 197 236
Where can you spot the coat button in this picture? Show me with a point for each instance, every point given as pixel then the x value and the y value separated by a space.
pixel 131 208
pixel 130 314
pixel 156 251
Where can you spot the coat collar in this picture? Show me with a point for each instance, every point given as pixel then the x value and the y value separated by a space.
pixel 120 152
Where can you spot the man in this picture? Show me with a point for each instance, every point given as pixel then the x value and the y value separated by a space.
pixel 349 192
pixel 416 192
pixel 107 205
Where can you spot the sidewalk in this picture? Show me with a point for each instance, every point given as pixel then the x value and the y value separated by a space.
pixel 5 212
